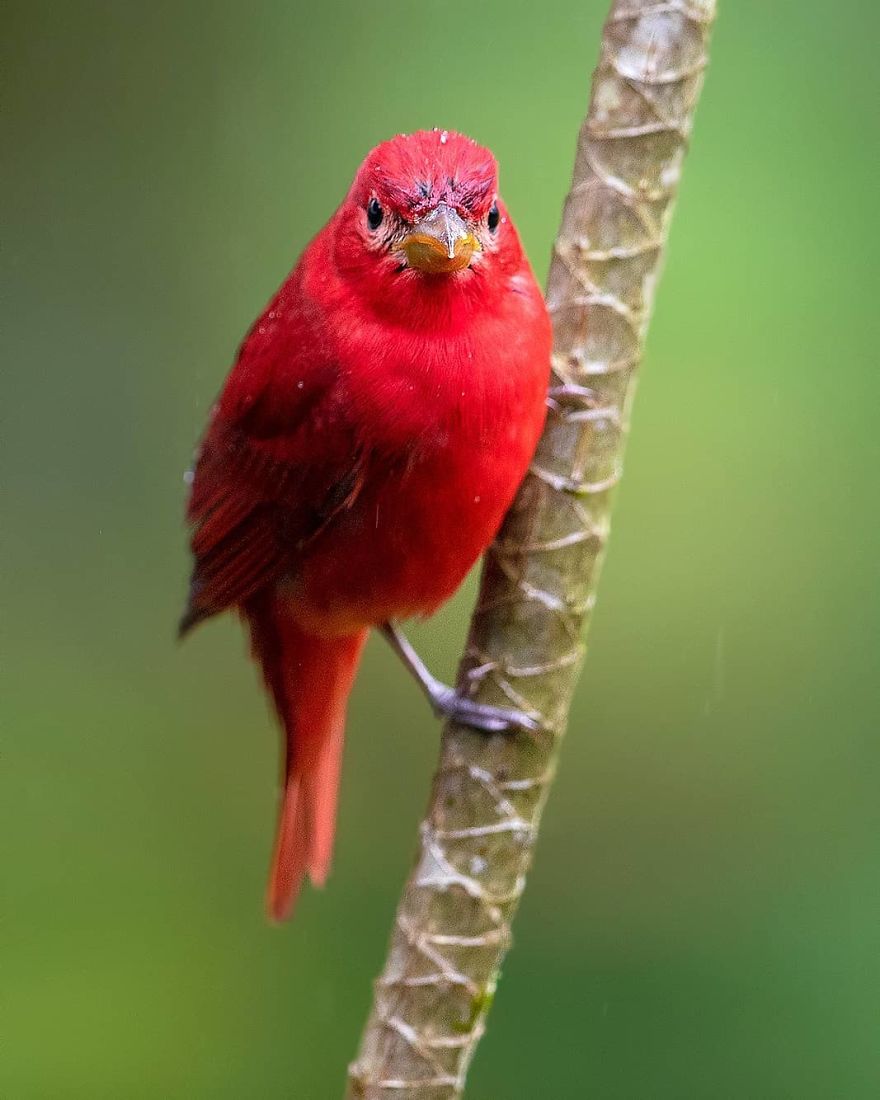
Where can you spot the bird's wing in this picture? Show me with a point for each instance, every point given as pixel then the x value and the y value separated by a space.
pixel 279 459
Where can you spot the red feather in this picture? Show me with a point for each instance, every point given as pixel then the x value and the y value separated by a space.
pixel 309 679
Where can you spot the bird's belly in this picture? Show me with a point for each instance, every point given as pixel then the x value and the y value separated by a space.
pixel 407 543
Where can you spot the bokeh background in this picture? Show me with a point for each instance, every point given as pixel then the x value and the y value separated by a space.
pixel 703 919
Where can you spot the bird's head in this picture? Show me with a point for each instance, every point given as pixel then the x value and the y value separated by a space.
pixel 424 211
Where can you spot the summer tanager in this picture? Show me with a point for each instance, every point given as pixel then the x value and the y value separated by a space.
pixel 374 429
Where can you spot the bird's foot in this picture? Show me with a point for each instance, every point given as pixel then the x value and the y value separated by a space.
pixel 449 703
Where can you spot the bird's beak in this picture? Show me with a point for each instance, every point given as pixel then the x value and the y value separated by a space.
pixel 439 243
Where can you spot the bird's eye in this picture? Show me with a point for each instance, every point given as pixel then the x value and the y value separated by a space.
pixel 375 213
pixel 494 218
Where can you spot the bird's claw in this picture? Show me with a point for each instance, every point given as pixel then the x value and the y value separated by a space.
pixel 449 703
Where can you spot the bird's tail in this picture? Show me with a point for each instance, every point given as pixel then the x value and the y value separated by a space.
pixel 310 679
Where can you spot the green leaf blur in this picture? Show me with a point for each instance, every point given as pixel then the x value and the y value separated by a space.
pixel 703 920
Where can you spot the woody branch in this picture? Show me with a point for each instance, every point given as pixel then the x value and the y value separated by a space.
pixel 525 648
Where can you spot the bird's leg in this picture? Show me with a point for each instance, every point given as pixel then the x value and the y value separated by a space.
pixel 445 700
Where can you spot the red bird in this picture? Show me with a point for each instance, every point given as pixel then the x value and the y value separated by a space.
pixel 374 429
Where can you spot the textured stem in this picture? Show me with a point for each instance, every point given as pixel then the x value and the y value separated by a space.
pixel 525 648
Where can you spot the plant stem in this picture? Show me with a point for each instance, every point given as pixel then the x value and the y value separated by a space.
pixel 452 927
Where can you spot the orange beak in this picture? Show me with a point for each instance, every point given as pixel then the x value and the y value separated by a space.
pixel 440 243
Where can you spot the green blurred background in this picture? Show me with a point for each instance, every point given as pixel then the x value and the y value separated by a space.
pixel 703 919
